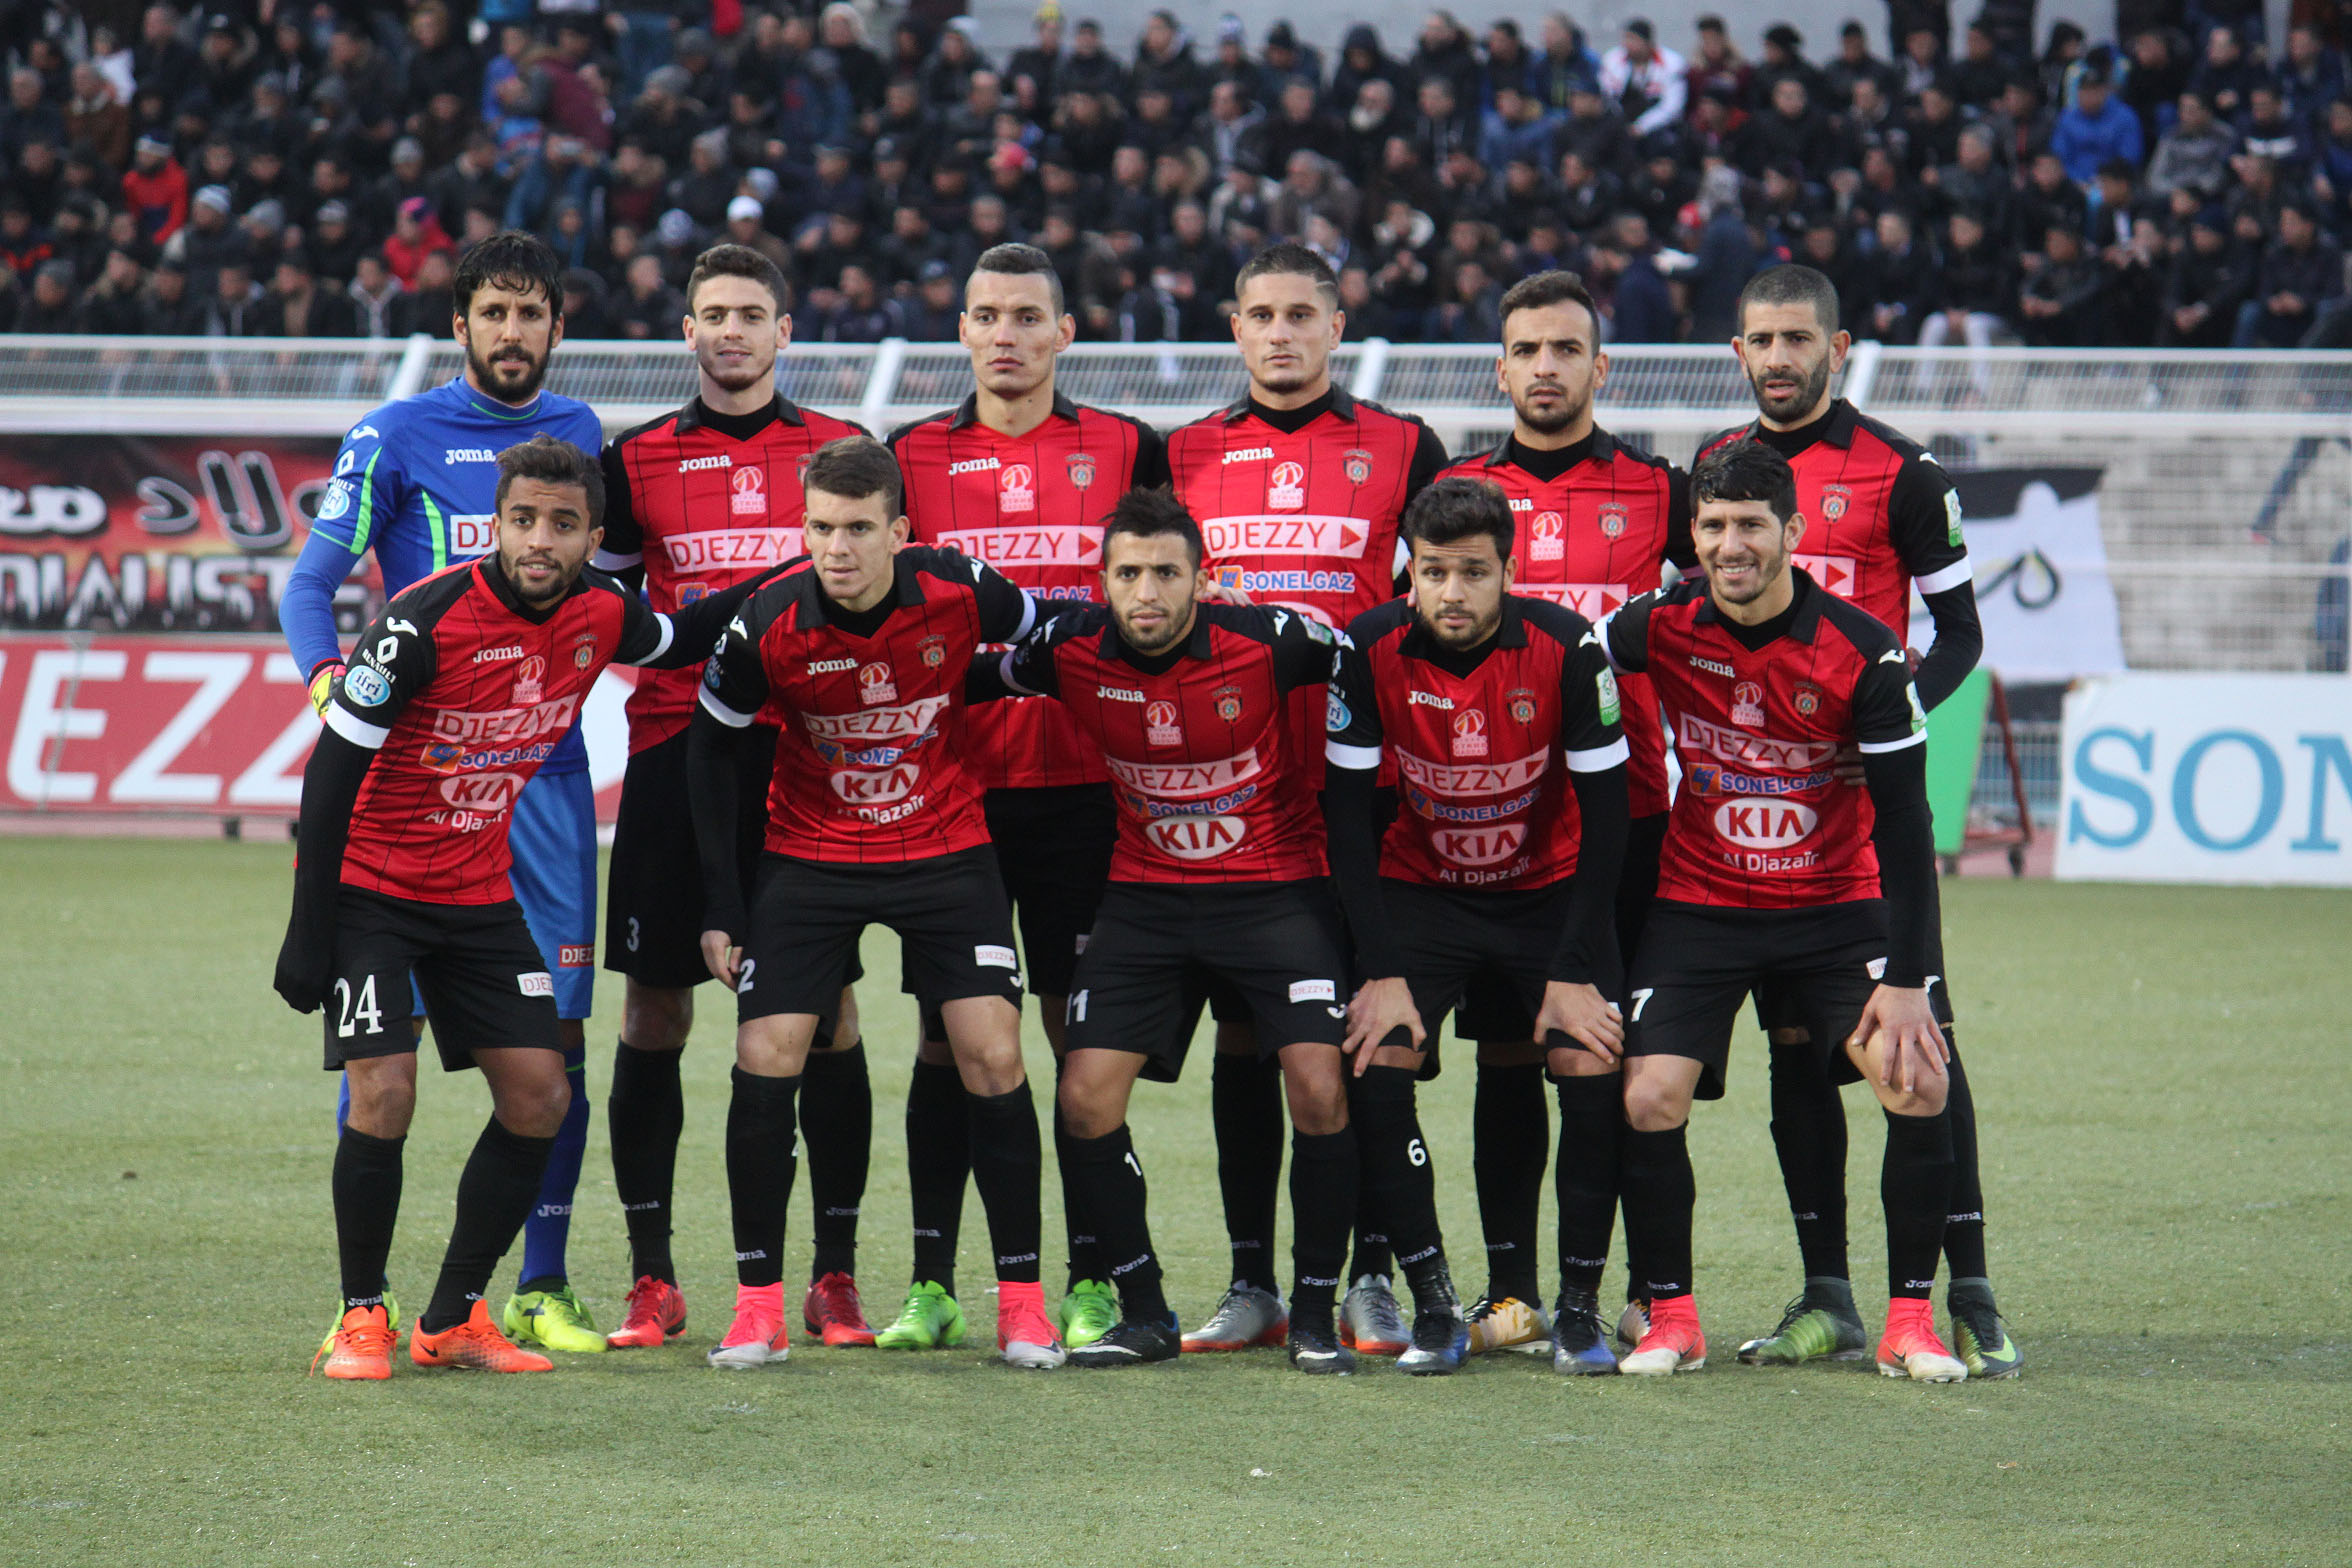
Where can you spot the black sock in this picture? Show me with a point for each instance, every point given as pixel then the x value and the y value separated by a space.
pixel 1510 1140
pixel 837 1124
pixel 1398 1185
pixel 1809 1135
pixel 1085 1256
pixel 1245 1109
pixel 643 1117
pixel 1915 1186
pixel 367 1205
pixel 1584 1183
pixel 760 1166
pixel 494 1197
pixel 1659 1193
pixel 1008 1167
pixel 939 1157
pixel 1964 1227
pixel 1324 1174
pixel 1111 1187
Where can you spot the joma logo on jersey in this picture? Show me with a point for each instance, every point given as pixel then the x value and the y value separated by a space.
pixel 1248 454
pixel 1750 750
pixel 1765 824
pixel 831 666
pixel 1713 667
pixel 493 655
pixel 697 464
pixel 1118 694
pixel 1428 699
pixel 972 465
pixel 468 454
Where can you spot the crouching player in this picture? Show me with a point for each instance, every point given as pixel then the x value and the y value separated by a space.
pixel 1501 716
pixel 1774 869
pixel 403 865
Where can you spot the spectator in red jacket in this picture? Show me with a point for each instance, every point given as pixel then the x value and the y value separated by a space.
pixel 156 188
pixel 416 234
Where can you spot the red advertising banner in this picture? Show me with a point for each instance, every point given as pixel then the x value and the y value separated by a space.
pixel 167 534
pixel 210 725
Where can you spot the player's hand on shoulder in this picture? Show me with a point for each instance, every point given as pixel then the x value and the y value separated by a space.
pixel 1584 1015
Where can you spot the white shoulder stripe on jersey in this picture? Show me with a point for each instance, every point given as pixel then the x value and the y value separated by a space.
pixel 1874 747
pixel 1028 616
pixel 607 561
pixel 1362 758
pixel 721 712
pixel 669 634
pixel 1602 632
pixel 1004 668
pixel 357 731
pixel 1600 758
pixel 1949 577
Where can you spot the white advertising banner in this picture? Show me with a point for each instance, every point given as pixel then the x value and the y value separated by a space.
pixel 2042 588
pixel 2208 778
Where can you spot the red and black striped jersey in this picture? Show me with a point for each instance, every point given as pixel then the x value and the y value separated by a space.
pixel 1203 745
pixel 1032 506
pixel 870 705
pixel 704 500
pixel 461 691
pixel 1594 524
pixel 1880 513
pixel 1483 741
pixel 1758 713
pixel 1299 507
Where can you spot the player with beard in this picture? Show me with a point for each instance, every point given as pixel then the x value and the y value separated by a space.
pixel 701 499
pixel 1882 518
pixel 1219 879
pixel 403 869
pixel 1595 524
pixel 1500 716
pixel 1298 487
pixel 1022 478
pixel 414 482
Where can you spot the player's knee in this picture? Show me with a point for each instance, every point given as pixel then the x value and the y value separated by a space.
pixel 1653 1106
pixel 1087 1109
pixel 657 1018
pixel 382 1103
pixel 1926 1099
pixel 535 1107
pixel 1318 1106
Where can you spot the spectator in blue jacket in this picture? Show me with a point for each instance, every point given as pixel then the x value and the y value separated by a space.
pixel 2094 130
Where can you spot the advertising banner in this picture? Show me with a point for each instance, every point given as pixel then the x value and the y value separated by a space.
pixel 2042 588
pixel 2208 778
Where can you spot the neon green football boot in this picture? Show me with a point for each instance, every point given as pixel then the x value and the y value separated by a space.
pixel 1821 1323
pixel 1088 1311
pixel 930 1320
pixel 553 1320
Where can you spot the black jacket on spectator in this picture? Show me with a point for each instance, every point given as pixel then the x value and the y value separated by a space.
pixel 2221 282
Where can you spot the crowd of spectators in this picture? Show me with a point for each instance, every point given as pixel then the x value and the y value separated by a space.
pixel 274 169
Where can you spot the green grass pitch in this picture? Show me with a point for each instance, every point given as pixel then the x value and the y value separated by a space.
pixel 2166 1097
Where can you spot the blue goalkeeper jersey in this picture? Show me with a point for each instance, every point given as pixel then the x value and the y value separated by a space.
pixel 416 482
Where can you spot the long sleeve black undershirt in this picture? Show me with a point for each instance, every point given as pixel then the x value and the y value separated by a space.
pixel 1905 840
pixel 1954 649
pixel 1587 954
pixel 1354 847
pixel 331 782
pixel 714 763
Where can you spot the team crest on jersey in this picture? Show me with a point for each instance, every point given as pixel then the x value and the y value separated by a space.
pixel 584 651
pixel 750 499
pixel 530 683
pixel 1286 488
pixel 1470 733
pixel 1016 488
pixel 1834 501
pixel 875 684
pixel 801 475
pixel 1614 517
pixel 1544 536
pixel 1159 725
pixel 1747 705
pixel 1228 703
pixel 1808 699
pixel 1081 469
pixel 933 650
pixel 1358 463
pixel 1522 702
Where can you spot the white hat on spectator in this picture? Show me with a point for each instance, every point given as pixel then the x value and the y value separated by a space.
pixel 745 207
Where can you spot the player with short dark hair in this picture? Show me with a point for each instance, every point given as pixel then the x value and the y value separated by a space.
pixel 1595 524
pixel 1298 487
pixel 1019 476
pixel 1774 866
pixel 1500 716
pixel 703 498
pixel 432 735
pixel 1882 518
pixel 1219 878
pixel 413 482
pixel 860 653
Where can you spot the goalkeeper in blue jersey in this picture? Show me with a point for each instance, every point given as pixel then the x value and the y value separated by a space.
pixel 415 482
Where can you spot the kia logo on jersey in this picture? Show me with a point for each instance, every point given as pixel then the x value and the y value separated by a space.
pixel 1766 824
pixel 530 683
pixel 875 684
pixel 1159 725
pixel 1470 733
pixel 1016 488
pixel 1286 488
pixel 1613 518
pixel 1359 465
pixel 1747 705
pixel 751 493
pixel 1546 531
pixel 1834 501
pixel 1081 469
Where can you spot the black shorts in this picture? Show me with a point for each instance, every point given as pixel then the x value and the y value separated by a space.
pixel 1776 1009
pixel 1278 947
pixel 1698 964
pixel 1053 850
pixel 485 984
pixel 1495 944
pixel 955 934
pixel 1490 1012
